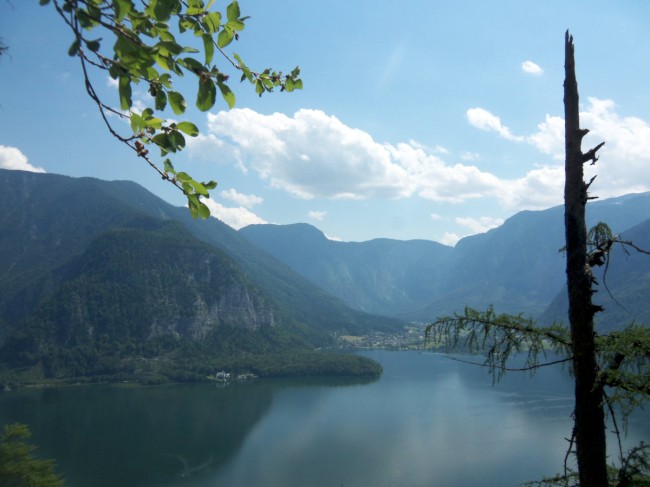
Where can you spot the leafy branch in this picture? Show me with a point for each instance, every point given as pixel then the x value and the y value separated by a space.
pixel 142 49
pixel 499 337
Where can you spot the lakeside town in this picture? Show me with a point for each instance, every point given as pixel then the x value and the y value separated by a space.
pixel 411 337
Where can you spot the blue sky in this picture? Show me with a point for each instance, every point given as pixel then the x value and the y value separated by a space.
pixel 418 119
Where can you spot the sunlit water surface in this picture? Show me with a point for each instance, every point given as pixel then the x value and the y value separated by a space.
pixel 428 421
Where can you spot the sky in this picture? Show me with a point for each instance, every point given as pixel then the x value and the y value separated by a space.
pixel 419 119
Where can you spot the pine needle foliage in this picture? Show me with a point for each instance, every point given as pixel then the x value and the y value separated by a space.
pixel 19 466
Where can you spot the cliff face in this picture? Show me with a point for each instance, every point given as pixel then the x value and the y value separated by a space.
pixel 144 282
pixel 237 306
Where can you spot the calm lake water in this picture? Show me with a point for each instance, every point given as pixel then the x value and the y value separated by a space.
pixel 427 421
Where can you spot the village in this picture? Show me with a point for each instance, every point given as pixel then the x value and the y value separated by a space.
pixel 410 338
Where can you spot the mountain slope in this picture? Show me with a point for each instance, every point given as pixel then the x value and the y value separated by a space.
pixel 380 276
pixel 51 218
pixel 624 285
pixel 517 267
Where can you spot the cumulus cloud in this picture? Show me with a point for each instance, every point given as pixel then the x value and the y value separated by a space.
pixel 317 215
pixel 549 139
pixel 449 238
pixel 314 155
pixel 531 68
pixel 13 158
pixel 484 120
pixel 470 156
pixel 435 217
pixel 625 158
pixel 236 218
pixel 480 225
pixel 245 200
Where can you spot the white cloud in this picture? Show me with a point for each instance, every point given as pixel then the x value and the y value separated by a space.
pixel 484 120
pixel 449 238
pixel 112 83
pixel 480 225
pixel 550 137
pixel 317 215
pixel 234 217
pixel 530 67
pixel 540 188
pixel 308 155
pixel 469 156
pixel 625 158
pixel 313 155
pixel 245 200
pixel 13 158
pixel 435 217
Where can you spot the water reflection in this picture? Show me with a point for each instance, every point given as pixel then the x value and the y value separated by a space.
pixel 427 421
pixel 138 436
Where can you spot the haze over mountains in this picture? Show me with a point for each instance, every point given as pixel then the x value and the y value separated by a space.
pixel 91 268
pixel 517 267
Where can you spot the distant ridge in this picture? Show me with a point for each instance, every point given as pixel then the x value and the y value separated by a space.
pixel 517 267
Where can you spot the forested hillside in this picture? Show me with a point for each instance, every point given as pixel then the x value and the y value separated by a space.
pixel 97 276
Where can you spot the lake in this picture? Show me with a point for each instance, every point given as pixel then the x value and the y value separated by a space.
pixel 427 421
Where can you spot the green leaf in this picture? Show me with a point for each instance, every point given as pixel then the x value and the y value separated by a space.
pixel 208 46
pixel 168 167
pixel 210 184
pixel 137 123
pixel 232 11
pixel 161 100
pixel 198 187
pixel 164 61
pixel 177 102
pixel 235 25
pixel 125 92
pixel 93 45
pixel 192 64
pixel 207 94
pixel 74 48
pixel 204 211
pixel 169 46
pixel 189 128
pixel 164 142
pixel 177 139
pixel 212 22
pixel 227 94
pixel 163 9
pixel 183 177
pixel 259 87
pixel 122 8
pixel 225 37
pixel 44 2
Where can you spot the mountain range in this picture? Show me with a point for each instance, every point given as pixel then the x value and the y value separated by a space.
pixel 517 267
pixel 90 267
pixel 104 278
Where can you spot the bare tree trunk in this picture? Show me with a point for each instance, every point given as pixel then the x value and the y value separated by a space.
pixel 589 413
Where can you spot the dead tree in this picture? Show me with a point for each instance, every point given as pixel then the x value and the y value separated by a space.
pixel 589 411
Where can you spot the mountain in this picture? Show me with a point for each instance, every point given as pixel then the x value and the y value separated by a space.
pixel 624 285
pixel 95 273
pixel 49 218
pixel 381 276
pixel 517 267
